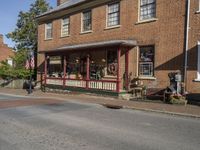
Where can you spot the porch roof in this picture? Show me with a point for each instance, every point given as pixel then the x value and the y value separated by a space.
pixel 125 43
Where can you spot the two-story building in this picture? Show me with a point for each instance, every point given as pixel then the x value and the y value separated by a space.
pixel 100 45
pixel 6 53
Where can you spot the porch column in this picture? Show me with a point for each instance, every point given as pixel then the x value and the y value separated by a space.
pixel 88 72
pixel 127 69
pixel 45 70
pixel 118 69
pixel 64 70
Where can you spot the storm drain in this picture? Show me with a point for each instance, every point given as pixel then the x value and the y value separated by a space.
pixel 111 106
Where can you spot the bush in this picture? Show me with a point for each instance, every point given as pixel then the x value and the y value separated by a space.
pixel 9 72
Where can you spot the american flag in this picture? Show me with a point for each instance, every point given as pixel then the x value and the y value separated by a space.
pixel 30 62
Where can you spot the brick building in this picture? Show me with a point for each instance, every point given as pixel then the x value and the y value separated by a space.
pixel 5 52
pixel 102 45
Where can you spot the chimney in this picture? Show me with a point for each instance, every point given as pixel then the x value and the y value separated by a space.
pixel 1 39
pixel 59 2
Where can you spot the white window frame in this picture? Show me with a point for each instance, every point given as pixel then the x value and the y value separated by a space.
pixel 198 61
pixel 150 64
pixel 82 22
pixel 139 14
pixel 199 6
pixel 68 26
pixel 46 28
pixel 107 15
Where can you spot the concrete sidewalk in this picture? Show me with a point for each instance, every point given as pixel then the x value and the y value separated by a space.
pixel 188 110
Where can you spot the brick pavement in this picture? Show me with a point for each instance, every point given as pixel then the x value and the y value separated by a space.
pixel 188 110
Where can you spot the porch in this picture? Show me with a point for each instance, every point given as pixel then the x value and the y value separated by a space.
pixel 91 67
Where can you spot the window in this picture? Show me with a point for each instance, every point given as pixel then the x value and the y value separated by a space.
pixel 48 31
pixel 87 21
pixel 146 61
pixel 112 63
pixel 147 9
pixel 113 15
pixel 65 26
pixel 199 5
pixel 10 61
pixel 198 62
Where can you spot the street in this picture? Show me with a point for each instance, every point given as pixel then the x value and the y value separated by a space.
pixel 68 125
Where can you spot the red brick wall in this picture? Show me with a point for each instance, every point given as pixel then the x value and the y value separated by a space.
pixel 166 33
pixel 194 37
pixel 5 51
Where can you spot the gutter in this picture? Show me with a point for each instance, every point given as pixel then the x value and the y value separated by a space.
pixel 186 43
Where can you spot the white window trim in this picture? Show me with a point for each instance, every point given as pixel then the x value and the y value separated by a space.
pixel 145 20
pixel 46 31
pixel 62 28
pixel 88 31
pixel 199 6
pixel 115 26
pixel 198 11
pixel 198 61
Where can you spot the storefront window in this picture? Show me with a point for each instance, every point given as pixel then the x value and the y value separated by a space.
pixel 76 66
pixel 111 63
pixel 55 68
pixel 146 61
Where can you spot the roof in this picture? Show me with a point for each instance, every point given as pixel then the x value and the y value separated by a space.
pixel 65 5
pixel 129 43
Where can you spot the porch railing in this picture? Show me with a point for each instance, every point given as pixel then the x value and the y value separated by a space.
pixel 103 85
pixel 106 85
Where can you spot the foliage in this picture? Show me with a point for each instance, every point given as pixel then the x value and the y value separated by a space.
pixel 177 99
pixel 25 34
pixel 25 38
pixel 9 72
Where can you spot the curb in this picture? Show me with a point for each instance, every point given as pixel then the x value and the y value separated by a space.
pixel 111 106
pixel 164 112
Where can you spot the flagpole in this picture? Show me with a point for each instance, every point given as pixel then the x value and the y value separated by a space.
pixel 30 68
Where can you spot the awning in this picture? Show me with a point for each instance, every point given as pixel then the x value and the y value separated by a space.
pixel 125 43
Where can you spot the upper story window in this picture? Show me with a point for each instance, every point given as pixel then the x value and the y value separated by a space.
pixel 147 9
pixel 48 31
pixel 65 27
pixel 113 18
pixel 87 21
pixel 146 61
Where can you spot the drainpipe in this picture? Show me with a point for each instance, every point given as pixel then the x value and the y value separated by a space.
pixel 186 43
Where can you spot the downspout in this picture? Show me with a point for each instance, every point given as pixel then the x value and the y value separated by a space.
pixel 186 44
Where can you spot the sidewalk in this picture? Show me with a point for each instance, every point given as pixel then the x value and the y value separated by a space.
pixel 188 110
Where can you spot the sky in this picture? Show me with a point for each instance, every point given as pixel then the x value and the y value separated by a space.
pixel 9 10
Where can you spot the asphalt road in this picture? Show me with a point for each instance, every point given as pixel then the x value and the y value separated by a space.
pixel 76 126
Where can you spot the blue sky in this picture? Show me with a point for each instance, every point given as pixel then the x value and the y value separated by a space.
pixel 9 10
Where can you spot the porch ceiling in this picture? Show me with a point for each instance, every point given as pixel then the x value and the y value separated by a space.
pixel 123 43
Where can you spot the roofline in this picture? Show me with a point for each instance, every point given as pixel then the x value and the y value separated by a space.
pixel 71 6
pixel 71 9
pixel 124 43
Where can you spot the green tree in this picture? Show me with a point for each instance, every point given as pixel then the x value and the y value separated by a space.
pixel 25 33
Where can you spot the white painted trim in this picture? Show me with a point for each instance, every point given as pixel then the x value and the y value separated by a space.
pixel 146 20
pixel 46 31
pixel 199 6
pixel 61 33
pixel 147 78
pixel 88 31
pixel 198 61
pixel 115 26
pixel 137 65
